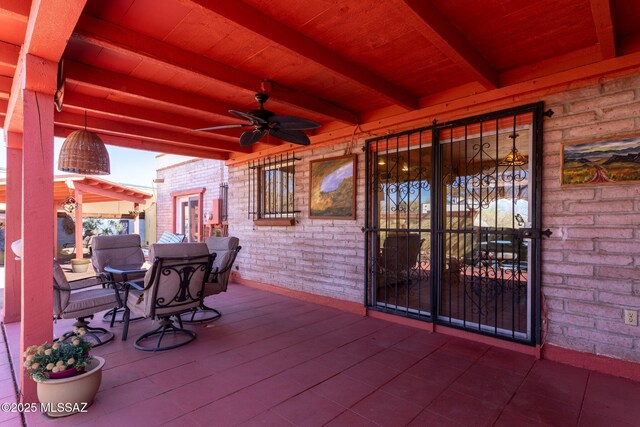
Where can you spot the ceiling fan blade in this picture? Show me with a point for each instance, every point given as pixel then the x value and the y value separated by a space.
pixel 293 123
pixel 253 119
pixel 251 136
pixel 294 136
pixel 225 127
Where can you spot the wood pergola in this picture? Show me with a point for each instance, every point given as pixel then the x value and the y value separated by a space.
pixel 146 73
pixel 86 189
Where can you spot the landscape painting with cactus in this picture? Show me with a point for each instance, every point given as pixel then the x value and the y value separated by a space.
pixel 601 162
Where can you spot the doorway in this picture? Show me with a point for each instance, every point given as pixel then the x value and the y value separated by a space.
pixel 453 223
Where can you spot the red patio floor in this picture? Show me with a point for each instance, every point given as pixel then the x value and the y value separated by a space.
pixel 274 360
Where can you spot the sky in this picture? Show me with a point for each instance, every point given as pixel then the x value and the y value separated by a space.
pixel 135 167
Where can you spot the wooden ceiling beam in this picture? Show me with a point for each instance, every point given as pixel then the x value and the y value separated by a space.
pixel 601 11
pixel 17 10
pixel 9 54
pixel 259 23
pixel 138 88
pixel 118 194
pixel 49 27
pixel 146 145
pixel 437 29
pixel 113 127
pixel 118 110
pixel 122 40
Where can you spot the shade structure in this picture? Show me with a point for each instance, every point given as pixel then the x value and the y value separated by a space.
pixel 84 152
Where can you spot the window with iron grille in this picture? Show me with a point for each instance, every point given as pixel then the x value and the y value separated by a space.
pixel 272 189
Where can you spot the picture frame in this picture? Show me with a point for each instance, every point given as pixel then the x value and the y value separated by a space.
pixel 602 161
pixel 332 188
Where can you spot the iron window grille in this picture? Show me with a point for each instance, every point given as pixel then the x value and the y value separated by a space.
pixel 272 187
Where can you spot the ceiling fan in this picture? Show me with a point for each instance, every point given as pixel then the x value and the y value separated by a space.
pixel 286 128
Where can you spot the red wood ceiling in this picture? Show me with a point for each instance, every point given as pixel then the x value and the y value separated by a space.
pixel 148 71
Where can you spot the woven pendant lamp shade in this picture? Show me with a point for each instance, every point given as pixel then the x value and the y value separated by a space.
pixel 84 152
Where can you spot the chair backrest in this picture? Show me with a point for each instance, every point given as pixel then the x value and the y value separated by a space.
pixel 175 281
pixel 226 249
pixel 168 237
pixel 400 251
pixel 60 297
pixel 120 249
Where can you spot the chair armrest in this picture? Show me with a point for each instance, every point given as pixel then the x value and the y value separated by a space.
pixel 88 283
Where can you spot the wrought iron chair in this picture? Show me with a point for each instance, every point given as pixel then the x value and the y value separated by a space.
pixel 81 299
pixel 226 249
pixel 116 250
pixel 172 286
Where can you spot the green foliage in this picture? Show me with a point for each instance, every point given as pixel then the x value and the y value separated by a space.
pixel 40 361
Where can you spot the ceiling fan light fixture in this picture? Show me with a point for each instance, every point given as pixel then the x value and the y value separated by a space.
pixel 83 152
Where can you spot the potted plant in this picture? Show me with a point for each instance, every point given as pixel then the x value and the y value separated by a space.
pixel 79 265
pixel 68 376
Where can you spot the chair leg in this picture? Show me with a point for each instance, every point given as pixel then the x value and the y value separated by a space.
pixel 166 326
pixel 125 330
pixel 116 315
pixel 96 336
pixel 200 315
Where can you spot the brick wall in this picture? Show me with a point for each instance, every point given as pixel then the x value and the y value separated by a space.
pixel 324 257
pixel 590 270
pixel 199 173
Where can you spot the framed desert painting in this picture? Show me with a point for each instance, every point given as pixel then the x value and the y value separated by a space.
pixel 601 162
pixel 332 188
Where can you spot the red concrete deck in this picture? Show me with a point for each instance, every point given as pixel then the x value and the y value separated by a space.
pixel 274 360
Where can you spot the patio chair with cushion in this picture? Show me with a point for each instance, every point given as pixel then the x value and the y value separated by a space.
pixel 116 250
pixel 226 249
pixel 81 299
pixel 172 286
pixel 168 237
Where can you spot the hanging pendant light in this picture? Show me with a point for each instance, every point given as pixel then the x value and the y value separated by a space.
pixel 83 152
pixel 514 158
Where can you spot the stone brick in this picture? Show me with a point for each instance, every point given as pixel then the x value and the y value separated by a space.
pixel 603 128
pixel 596 259
pixel 602 101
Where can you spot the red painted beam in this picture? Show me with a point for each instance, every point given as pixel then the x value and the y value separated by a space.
pixel 122 40
pixel 17 10
pixel 9 54
pixel 85 188
pixel 139 144
pixel 601 11
pixel 49 27
pixel 113 127
pixel 146 116
pixel 257 22
pixel 50 24
pixel 437 30
pixel 137 88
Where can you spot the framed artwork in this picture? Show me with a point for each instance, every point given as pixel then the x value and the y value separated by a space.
pixel 601 162
pixel 332 188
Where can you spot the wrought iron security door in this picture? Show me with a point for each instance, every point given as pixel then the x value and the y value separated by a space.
pixel 453 223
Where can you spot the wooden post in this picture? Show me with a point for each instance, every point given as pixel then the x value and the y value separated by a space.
pixel 37 228
pixel 136 219
pixel 79 236
pixel 13 229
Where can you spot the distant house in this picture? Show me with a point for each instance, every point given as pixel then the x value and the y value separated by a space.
pixel 191 196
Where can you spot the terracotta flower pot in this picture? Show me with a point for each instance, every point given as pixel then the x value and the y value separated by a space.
pixel 67 396
pixel 79 265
